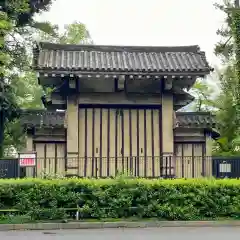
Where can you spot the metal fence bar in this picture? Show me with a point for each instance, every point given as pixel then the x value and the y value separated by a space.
pixel 132 166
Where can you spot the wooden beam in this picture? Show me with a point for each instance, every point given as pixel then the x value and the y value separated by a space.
pixel 168 83
pixel 77 73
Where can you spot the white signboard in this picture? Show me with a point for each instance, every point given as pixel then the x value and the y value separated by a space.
pixel 224 168
pixel 27 159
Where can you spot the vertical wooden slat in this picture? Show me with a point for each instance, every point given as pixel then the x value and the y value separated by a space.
pixel 112 141
pixel 105 141
pixel 198 159
pixel 178 154
pixel 101 144
pixel 116 142
pixel 41 155
pixel 120 142
pixel 89 142
pixel 56 159
pixel 60 156
pixel 79 159
pixel 130 140
pixel 148 144
pixel 126 141
pixel 65 154
pixel 138 146
pixel 93 145
pixel 108 142
pixel 156 142
pixel 160 141
pixel 82 129
pixel 153 145
pixel 134 141
pixel 96 119
pixel 193 161
pixel 142 138
pixel 86 141
pixel 187 160
pixel 36 168
pixel 122 139
pixel 203 159
pixel 145 142
pixel 45 157
pixel 50 158
pixel 183 162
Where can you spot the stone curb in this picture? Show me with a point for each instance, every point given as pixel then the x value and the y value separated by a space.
pixel 99 225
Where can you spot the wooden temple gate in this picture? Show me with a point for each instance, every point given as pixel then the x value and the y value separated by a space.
pixel 119 105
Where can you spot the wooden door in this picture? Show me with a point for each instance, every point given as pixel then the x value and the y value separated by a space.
pixel 189 159
pixel 50 159
pixel 183 153
pixel 117 140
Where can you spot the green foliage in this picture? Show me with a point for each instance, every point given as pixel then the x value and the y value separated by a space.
pixel 235 26
pixel 16 24
pixel 22 11
pixel 192 199
pixel 203 93
pixel 225 47
pixel 19 31
pixel 226 102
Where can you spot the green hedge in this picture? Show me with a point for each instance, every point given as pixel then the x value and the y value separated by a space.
pixel 122 198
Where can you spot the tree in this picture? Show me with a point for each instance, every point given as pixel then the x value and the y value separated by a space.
pixel 25 86
pixel 228 100
pixel 16 17
pixel 204 97
pixel 75 33
pixel 224 48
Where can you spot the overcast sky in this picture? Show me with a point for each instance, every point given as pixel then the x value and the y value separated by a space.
pixel 143 22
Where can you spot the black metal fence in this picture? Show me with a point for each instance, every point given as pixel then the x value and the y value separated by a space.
pixel 226 167
pixel 146 167
pixel 9 168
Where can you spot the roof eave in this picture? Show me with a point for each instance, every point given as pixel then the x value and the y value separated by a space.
pixel 113 72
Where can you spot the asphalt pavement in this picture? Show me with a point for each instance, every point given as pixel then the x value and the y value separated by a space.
pixel 168 233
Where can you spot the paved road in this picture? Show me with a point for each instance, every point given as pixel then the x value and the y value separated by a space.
pixel 220 233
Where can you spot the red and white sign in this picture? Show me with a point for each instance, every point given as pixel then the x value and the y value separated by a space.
pixel 27 159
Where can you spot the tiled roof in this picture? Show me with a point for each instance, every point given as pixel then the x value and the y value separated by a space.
pixel 42 118
pixel 80 58
pixel 195 119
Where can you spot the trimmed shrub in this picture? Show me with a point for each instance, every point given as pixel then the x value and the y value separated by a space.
pixel 179 199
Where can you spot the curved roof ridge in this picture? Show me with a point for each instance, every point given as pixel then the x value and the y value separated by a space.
pixel 117 48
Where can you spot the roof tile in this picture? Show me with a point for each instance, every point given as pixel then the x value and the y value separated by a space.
pixel 120 59
pixel 42 118
pixel 195 119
